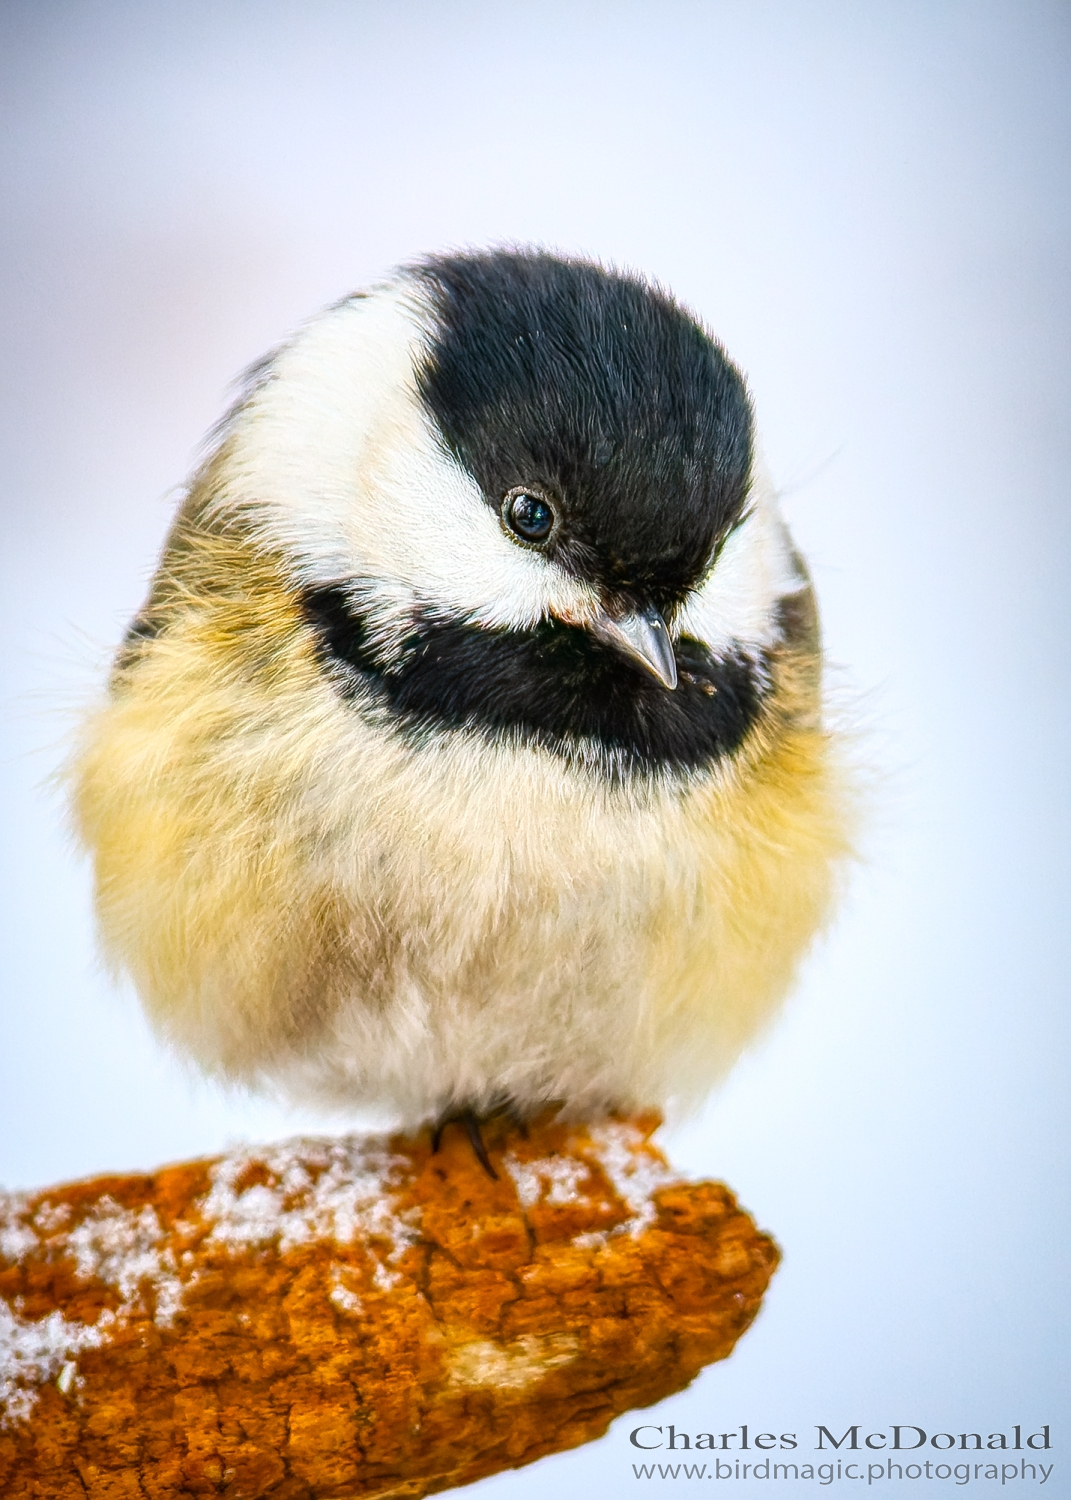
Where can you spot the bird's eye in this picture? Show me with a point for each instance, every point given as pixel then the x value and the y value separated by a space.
pixel 528 516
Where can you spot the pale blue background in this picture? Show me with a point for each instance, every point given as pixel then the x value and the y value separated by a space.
pixel 868 202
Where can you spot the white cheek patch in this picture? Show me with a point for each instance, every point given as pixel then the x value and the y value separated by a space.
pixel 341 467
pixel 430 529
pixel 737 603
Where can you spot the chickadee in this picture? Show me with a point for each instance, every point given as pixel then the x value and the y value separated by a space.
pixel 468 750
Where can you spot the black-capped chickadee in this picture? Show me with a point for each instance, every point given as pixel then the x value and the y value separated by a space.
pixel 468 750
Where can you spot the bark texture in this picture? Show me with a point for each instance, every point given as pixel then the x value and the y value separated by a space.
pixel 358 1316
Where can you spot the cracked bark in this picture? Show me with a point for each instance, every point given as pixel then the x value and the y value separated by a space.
pixel 450 1327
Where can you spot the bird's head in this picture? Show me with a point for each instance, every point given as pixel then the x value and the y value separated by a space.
pixel 518 494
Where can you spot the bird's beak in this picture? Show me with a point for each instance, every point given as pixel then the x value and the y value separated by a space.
pixel 643 636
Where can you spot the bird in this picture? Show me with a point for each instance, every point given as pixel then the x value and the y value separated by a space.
pixel 470 751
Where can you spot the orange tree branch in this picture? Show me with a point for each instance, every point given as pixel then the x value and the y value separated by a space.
pixel 358 1316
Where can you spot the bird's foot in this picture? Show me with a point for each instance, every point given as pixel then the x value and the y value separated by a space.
pixel 467 1118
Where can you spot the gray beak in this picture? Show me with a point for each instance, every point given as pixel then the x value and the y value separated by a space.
pixel 643 637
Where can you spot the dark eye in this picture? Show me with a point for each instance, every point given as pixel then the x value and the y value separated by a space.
pixel 529 516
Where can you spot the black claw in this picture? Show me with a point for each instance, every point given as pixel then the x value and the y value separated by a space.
pixel 467 1118
pixel 517 1120
pixel 472 1126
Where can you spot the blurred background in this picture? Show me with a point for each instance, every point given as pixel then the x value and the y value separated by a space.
pixel 869 205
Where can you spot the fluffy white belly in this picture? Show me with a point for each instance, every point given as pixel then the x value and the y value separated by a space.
pixel 505 947
pixel 310 899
